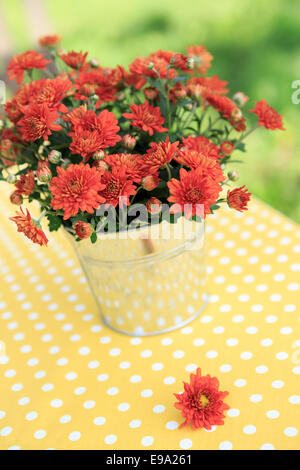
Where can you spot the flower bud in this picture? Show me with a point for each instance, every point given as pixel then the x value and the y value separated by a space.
pixel 65 163
pixel 11 179
pixel 83 229
pixel 128 142
pixel 154 206
pixel 150 182
pixel 150 66
pixel 236 114
pixel 16 198
pixel 100 155
pixel 101 165
pixel 227 148
pixel 94 97
pixel 54 156
pixel 150 93
pixel 240 98
pixel 43 172
pixel 188 106
pixel 120 96
pixel 190 63
pixel 94 62
pixel 61 50
pixel 233 175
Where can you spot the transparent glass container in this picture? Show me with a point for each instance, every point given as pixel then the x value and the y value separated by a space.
pixel 147 281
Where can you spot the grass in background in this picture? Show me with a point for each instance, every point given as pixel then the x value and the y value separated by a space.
pixel 256 45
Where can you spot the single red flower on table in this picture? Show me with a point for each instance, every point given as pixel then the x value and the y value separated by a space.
pixel 159 155
pixel 25 184
pixel 76 189
pixel 193 193
pixel 38 121
pixel 202 58
pixel 73 59
pixel 201 403
pixel 267 116
pixel 29 227
pixel 146 117
pixel 27 61
pixel 238 198
pixel 83 229
pixel 118 188
pixel 202 145
pixel 49 40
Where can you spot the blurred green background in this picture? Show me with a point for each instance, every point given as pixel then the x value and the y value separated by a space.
pixel 256 45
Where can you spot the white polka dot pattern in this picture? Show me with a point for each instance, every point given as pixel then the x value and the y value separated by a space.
pixel 67 382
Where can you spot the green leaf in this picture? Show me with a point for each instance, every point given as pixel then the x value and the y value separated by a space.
pixel 93 237
pixel 54 222
pixel 214 207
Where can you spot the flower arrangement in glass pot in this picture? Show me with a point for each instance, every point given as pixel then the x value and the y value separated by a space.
pixel 129 163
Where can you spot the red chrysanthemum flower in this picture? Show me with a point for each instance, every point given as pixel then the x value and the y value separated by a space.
pixel 25 184
pixel 73 59
pixel 193 193
pixel 76 189
pixel 202 145
pixel 194 159
pixel 146 117
pixel 96 82
pixel 159 155
pixel 26 61
pixel 180 62
pixel 238 198
pixel 202 86
pixel 228 109
pixel 223 104
pixel 92 132
pixel 131 163
pixel 50 40
pixel 75 114
pixel 38 121
pixel 267 116
pixel 29 227
pixel 8 147
pixel 86 143
pixel 178 92
pixel 201 57
pixel 83 229
pixel 118 188
pixel 227 148
pixel 53 92
pixel 201 403
pixel 160 60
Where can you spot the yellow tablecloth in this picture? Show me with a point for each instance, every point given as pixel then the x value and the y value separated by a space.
pixel 68 382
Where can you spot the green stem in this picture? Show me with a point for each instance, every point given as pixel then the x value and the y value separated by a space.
pixel 169 171
pixel 247 133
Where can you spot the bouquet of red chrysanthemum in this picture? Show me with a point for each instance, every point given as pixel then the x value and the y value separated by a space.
pixel 77 136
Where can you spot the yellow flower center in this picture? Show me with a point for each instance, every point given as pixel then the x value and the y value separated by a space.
pixel 204 400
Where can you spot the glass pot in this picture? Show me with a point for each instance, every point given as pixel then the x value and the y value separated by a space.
pixel 148 280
